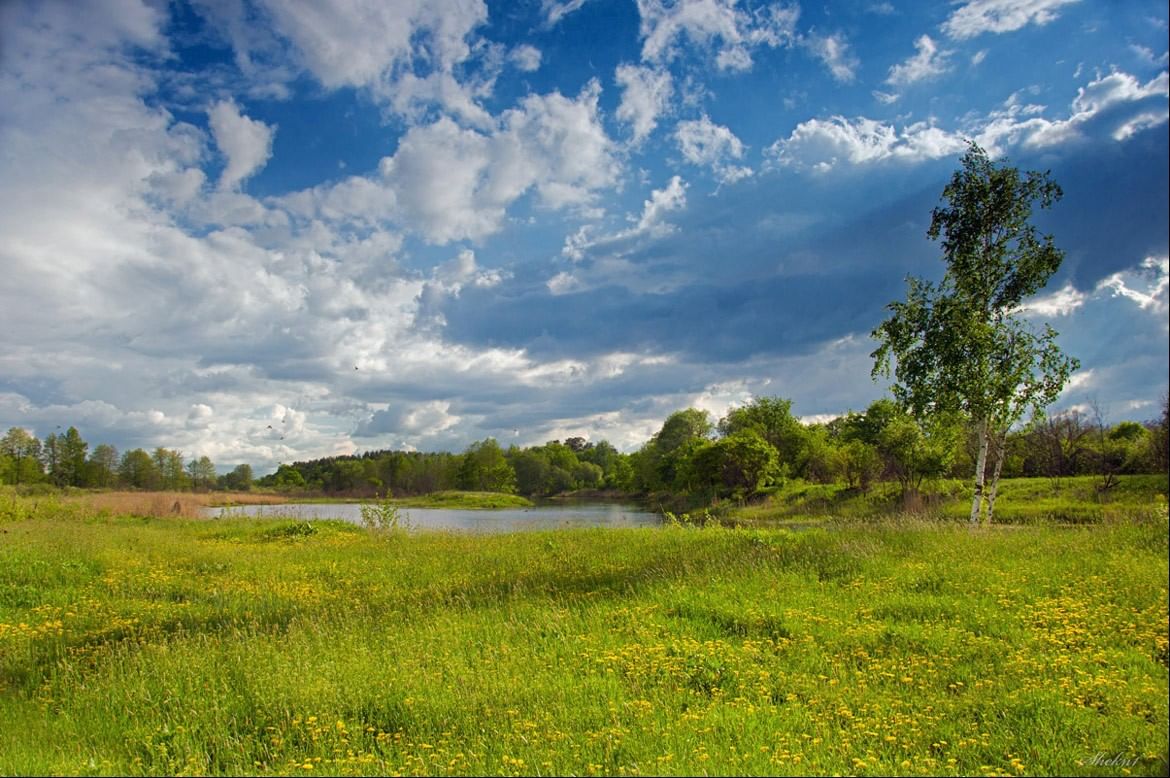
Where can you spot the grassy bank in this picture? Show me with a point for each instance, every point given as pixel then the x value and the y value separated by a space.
pixel 132 645
pixel 1078 500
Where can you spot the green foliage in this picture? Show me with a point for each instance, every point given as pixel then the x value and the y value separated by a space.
pixel 20 457
pixel 771 418
pixel 486 469
pixel 288 478
pixel 238 480
pixel 381 516
pixel 138 471
pixel 963 346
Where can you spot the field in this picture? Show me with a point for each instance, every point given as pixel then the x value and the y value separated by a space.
pixel 168 645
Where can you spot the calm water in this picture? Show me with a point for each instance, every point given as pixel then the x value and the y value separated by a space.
pixel 504 520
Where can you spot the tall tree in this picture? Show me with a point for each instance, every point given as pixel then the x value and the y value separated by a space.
pixel 102 466
pixel 962 346
pixel 72 451
pixel 138 471
pixel 201 471
pixel 24 453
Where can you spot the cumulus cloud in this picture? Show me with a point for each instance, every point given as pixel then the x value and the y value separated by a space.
pixel 672 197
pixel 1116 106
pixel 452 183
pixel 823 144
pixel 834 51
pixel 998 16
pixel 359 43
pixel 706 144
pixel 646 94
pixel 246 143
pixel 928 63
pixel 716 26
pixel 526 58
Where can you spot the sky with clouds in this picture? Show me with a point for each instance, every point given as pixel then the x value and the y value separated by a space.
pixel 270 230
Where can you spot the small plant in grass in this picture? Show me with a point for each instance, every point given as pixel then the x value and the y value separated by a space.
pixel 704 519
pixel 382 516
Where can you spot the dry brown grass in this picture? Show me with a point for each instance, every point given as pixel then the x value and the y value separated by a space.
pixel 186 504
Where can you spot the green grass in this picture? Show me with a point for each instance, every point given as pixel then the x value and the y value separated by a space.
pixel 162 646
pixel 1076 500
pixel 464 500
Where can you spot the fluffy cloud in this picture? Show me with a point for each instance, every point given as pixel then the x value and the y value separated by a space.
pixel 452 183
pixel 1115 106
pixel 824 144
pixel 446 182
pixel 360 43
pixel 713 25
pixel 706 144
pixel 646 94
pixel 997 16
pixel 929 62
pixel 526 58
pixel 247 143
pixel 833 51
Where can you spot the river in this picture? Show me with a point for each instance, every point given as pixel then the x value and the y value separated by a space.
pixel 501 520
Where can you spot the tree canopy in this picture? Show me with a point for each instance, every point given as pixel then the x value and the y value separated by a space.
pixel 963 346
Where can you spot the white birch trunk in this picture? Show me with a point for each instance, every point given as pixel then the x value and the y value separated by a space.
pixel 1000 451
pixel 980 466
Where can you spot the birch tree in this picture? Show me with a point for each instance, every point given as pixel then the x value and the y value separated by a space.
pixel 963 345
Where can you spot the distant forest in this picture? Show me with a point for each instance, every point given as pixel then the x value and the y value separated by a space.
pixel 753 447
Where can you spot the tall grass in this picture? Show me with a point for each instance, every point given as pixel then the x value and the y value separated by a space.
pixel 1078 500
pixel 165 646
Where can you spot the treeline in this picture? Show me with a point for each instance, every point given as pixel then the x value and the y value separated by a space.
pixel 64 460
pixel 545 470
pixel 753 447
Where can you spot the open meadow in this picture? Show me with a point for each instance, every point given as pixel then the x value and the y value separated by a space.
pixel 147 645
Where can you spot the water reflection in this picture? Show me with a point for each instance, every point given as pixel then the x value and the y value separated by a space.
pixel 503 520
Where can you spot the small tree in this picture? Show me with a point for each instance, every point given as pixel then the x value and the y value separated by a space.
pixel 962 346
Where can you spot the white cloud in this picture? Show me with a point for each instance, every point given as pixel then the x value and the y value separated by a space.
pixel 247 143
pixel 833 51
pixel 706 144
pixel 1062 302
pixel 1145 286
pixel 451 183
pixel 713 25
pixel 1125 105
pixel 526 58
pixel 670 198
pixel 928 63
pixel 555 10
pixel 360 43
pixel 1147 55
pixel 1103 99
pixel 824 144
pixel 998 16
pixel 646 94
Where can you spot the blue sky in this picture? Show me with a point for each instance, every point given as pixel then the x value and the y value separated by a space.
pixel 264 231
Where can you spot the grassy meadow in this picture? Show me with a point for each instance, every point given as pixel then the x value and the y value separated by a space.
pixel 168 645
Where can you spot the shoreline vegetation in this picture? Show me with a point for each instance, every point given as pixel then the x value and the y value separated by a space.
pixel 891 644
